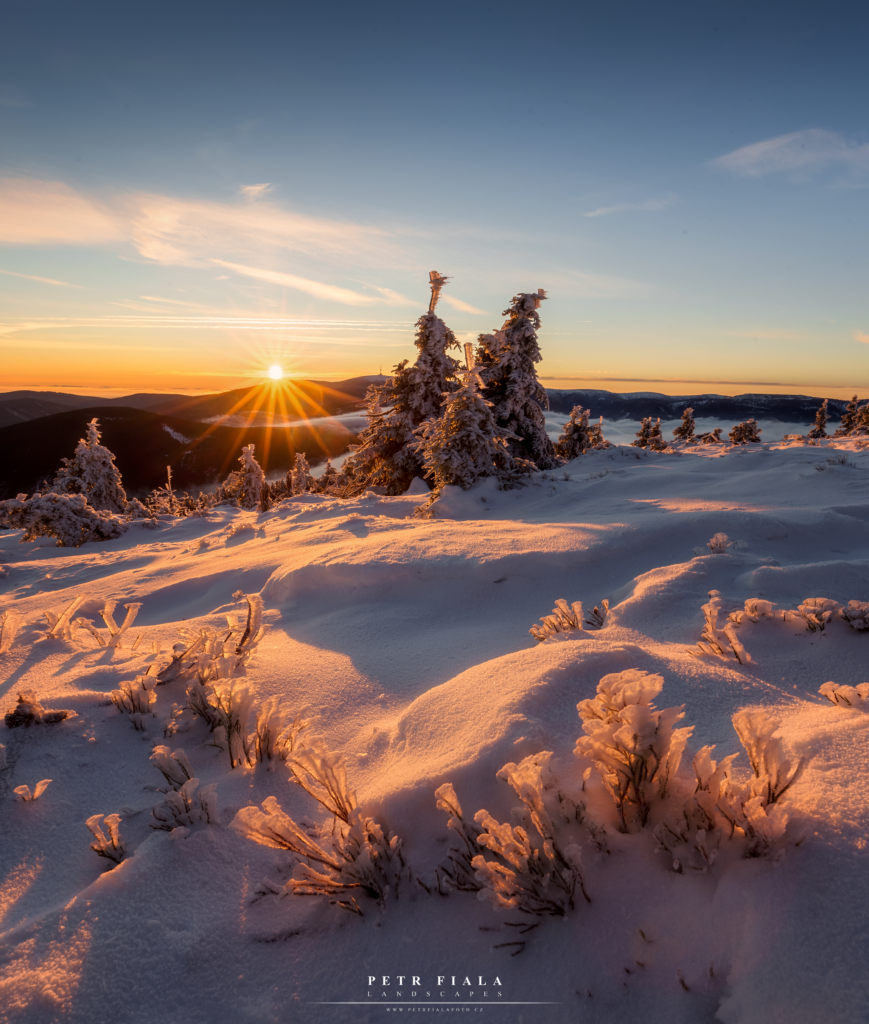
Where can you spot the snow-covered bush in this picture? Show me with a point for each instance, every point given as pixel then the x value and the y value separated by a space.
pixel 173 765
pixel 136 510
pixel 755 610
pixel 464 444
pixel 509 378
pixel 775 771
pixel 856 614
pixel 92 472
pixel 713 437
pixel 819 429
pixel 596 618
pixel 243 487
pixel 277 733
pixel 565 618
pixel 358 856
pixel 111 847
pixel 135 699
pixel 817 612
pixel 685 431
pixel 747 432
pixel 719 544
pixel 28 711
pixel 9 624
pixel 635 748
pixel 186 806
pixel 722 643
pixel 24 791
pixel 847 696
pixel 850 419
pixel 67 517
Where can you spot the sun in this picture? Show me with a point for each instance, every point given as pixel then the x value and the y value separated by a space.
pixel 276 372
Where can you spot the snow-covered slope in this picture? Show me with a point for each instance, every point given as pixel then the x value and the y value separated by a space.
pixel 407 642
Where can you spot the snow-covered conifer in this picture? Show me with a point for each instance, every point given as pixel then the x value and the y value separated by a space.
pixel 92 472
pixel 383 456
pixel 576 436
pixel 300 479
pixel 328 478
pixel 251 479
pixel 849 419
pixel 644 434
pixel 746 432
pixel 67 517
pixel 819 429
pixel 685 431
pixel 265 498
pixel 510 383
pixel 464 444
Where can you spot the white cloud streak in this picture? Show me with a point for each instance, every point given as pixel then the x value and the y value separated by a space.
pixel 798 154
pixel 460 304
pixel 646 206
pixel 42 280
pixel 255 191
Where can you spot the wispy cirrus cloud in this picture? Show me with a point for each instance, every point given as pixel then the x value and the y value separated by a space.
pixel 36 212
pixel 646 205
pixel 319 289
pixel 42 280
pixel 255 191
pixel 860 336
pixel 460 304
pixel 798 154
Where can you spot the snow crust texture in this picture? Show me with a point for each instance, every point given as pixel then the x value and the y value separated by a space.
pixel 319 749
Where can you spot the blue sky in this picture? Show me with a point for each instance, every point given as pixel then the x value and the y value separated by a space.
pixel 196 191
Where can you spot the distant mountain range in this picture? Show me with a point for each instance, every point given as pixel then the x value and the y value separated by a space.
pixel 201 437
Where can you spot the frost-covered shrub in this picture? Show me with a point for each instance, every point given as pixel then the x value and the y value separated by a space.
pixel 136 699
pixel 230 705
pixel 649 435
pixel 565 618
pixel 635 748
pixel 719 544
pixel 66 517
pixel 755 610
pixel 28 711
pixel 186 806
pixel 359 856
pixel 775 771
pixel 243 487
pixel 10 622
pixel 577 437
pixel 722 643
pixel 63 625
pixel 856 614
pixel 747 432
pixel 92 473
pixel 847 696
pixel 209 655
pixel 596 618
pixel 685 431
pixel 116 632
pixel 111 847
pixel 817 612
pixel 173 766
pixel 713 437
pixel 277 734
pixel 136 510
pixel 301 479
pixel 24 791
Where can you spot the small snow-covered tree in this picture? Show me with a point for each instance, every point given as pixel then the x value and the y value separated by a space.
pixel 643 434
pixel 685 431
pixel 252 479
pixel 92 472
pixel 849 419
pixel 300 477
pixel 464 443
pixel 67 517
pixel 384 456
pixel 819 429
pixel 328 478
pixel 506 360
pixel 576 438
pixel 746 432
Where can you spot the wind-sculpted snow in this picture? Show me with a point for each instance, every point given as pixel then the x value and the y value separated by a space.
pixel 398 649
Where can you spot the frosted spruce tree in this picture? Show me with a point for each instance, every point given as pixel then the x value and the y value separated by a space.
pixel 577 437
pixel 849 419
pixel 300 478
pixel 746 432
pixel 685 431
pixel 464 443
pixel 506 360
pixel 328 478
pixel 243 487
pixel 92 472
pixel 819 429
pixel 383 457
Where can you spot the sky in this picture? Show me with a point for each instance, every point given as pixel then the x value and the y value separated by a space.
pixel 191 193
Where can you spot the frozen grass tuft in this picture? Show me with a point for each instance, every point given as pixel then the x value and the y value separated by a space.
pixel 565 618
pixel 186 806
pixel 28 711
pixel 111 847
pixel 847 696
pixel 38 790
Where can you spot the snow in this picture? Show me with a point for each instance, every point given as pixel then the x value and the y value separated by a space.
pixel 406 643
